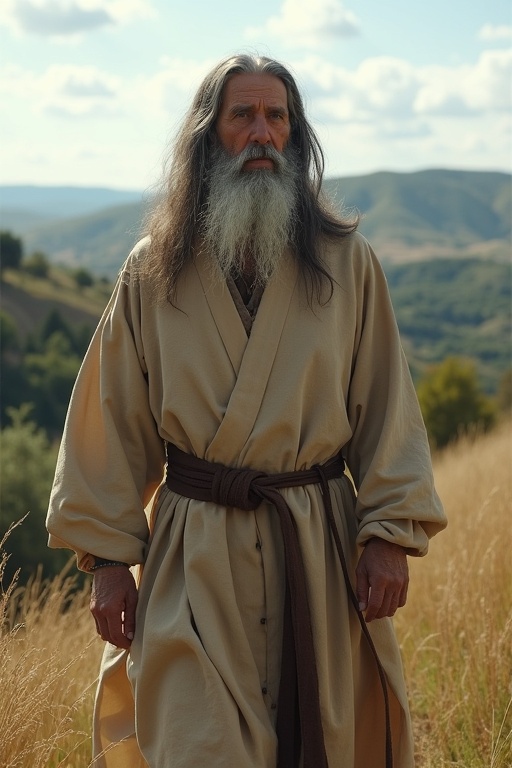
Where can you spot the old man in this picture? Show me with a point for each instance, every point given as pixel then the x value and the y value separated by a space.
pixel 244 428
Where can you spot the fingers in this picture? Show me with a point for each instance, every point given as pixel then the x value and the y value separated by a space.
pixel 382 579
pixel 129 616
pixel 362 588
pixel 403 593
pixel 113 605
pixel 109 625
pixel 116 635
pixel 382 602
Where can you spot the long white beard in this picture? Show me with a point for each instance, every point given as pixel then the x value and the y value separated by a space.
pixel 250 214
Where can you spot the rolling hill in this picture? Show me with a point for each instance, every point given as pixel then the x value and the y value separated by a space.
pixel 100 241
pixel 455 307
pixel 440 210
pixel 443 237
pixel 406 216
pixel 444 307
pixel 25 206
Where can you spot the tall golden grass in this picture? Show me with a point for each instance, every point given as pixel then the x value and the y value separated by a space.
pixel 49 658
pixel 455 632
pixel 456 629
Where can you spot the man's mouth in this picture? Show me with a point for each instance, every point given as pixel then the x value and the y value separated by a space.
pixel 260 163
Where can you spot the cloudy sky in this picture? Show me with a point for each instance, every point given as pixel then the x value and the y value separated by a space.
pixel 91 91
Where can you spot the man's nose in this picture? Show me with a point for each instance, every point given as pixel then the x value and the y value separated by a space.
pixel 259 130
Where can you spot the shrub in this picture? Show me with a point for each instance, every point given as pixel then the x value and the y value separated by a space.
pixel 452 402
pixel 83 278
pixel 11 251
pixel 37 265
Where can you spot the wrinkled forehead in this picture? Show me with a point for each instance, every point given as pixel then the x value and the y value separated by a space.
pixel 247 87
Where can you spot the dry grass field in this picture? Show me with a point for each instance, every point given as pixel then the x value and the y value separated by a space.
pixel 456 636
pixel 49 657
pixel 456 629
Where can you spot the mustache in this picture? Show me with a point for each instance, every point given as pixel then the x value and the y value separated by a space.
pixel 261 152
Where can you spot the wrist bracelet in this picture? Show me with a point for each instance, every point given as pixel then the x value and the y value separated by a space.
pixel 100 562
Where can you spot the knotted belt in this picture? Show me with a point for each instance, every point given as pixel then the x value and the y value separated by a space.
pixel 299 722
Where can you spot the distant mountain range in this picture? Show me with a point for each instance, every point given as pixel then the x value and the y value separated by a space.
pixel 450 209
pixel 406 216
pixel 22 206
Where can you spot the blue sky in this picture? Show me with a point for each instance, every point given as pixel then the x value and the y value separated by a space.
pixel 92 91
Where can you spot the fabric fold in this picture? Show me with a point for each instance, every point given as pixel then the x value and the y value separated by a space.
pixel 299 720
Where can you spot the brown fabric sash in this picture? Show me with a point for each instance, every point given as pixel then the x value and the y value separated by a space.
pixel 299 722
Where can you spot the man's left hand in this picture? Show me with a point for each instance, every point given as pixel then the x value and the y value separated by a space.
pixel 382 578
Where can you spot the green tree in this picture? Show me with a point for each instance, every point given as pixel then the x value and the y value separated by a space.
pixel 13 390
pixel 55 323
pixel 504 395
pixel 83 278
pixel 37 265
pixel 452 402
pixel 28 466
pixel 11 251
pixel 82 337
pixel 50 375
pixel 9 340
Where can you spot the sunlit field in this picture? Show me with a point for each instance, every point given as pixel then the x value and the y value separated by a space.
pixel 49 657
pixel 455 632
pixel 456 629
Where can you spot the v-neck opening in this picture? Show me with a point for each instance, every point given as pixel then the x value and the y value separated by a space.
pixel 247 311
pixel 252 357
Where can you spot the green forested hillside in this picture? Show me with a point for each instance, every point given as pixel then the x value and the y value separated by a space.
pixel 460 307
pixel 444 307
pixel 439 208
pixel 29 301
pixel 100 241
pixel 406 216
pixel 46 325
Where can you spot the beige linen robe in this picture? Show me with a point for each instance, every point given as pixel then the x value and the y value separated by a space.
pixel 204 664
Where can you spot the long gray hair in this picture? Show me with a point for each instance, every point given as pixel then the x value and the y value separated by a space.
pixel 173 224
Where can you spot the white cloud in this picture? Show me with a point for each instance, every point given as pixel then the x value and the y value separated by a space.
pixel 64 18
pixel 482 142
pixel 387 113
pixel 167 93
pixel 494 32
pixel 382 86
pixel 488 85
pixel 496 135
pixel 70 91
pixel 385 87
pixel 479 88
pixel 183 74
pixel 309 23
pixel 79 91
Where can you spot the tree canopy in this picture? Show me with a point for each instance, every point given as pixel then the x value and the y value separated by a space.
pixel 452 402
pixel 11 251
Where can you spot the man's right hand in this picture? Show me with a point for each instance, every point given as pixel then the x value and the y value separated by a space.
pixel 113 602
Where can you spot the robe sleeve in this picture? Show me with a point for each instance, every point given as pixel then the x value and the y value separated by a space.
pixel 111 457
pixel 388 454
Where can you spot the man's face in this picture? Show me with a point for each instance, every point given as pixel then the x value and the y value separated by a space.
pixel 254 111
